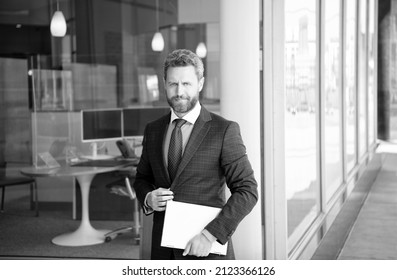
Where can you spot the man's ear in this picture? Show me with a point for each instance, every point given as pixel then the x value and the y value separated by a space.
pixel 201 84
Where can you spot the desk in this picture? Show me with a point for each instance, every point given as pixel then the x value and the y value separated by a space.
pixel 85 234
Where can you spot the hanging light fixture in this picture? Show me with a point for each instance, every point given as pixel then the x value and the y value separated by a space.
pixel 158 40
pixel 58 23
pixel 201 49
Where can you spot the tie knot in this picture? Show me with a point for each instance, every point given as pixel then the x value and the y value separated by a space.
pixel 179 122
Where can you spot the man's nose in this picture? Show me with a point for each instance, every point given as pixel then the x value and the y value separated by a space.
pixel 179 89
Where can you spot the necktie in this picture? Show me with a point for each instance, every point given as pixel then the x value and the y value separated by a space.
pixel 175 149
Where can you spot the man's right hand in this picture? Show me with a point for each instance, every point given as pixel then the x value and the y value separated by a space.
pixel 158 198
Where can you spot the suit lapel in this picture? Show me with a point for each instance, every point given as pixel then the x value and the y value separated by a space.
pixel 163 126
pixel 198 134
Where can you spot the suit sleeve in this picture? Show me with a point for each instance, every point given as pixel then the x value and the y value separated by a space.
pixel 144 180
pixel 241 182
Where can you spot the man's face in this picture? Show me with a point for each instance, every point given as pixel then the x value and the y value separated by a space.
pixel 182 88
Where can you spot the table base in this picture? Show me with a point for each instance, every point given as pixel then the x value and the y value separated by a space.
pixel 78 238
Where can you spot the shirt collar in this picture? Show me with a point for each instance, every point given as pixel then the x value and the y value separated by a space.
pixel 190 117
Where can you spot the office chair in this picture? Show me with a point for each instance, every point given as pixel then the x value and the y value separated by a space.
pixel 126 191
pixel 9 181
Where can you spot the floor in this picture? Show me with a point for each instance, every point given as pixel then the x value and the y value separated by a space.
pixel 373 235
pixel 366 227
pixel 24 236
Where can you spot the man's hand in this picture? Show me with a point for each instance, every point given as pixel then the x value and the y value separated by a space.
pixel 158 198
pixel 198 246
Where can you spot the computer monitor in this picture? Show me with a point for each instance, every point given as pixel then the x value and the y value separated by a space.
pixel 135 119
pixel 101 125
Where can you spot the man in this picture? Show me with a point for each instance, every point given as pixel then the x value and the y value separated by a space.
pixel 212 154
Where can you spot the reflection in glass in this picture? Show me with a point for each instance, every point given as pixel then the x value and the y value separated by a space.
pixel 52 89
pixel 362 80
pixel 349 83
pixel 15 123
pixel 302 186
pixel 105 61
pixel 332 96
pixel 109 59
pixel 371 72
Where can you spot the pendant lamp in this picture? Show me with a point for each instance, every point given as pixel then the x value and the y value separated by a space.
pixel 58 23
pixel 158 40
pixel 201 50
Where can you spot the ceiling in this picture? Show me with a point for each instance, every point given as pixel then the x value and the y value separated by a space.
pixel 26 12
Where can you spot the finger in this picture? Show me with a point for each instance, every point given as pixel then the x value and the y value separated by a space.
pixel 165 193
pixel 162 203
pixel 165 197
pixel 161 192
pixel 187 249
pixel 159 206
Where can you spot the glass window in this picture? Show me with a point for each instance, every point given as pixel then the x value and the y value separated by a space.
pixel 15 124
pixel 362 79
pixel 110 58
pixel 371 72
pixel 105 60
pixel 350 83
pixel 301 151
pixel 331 94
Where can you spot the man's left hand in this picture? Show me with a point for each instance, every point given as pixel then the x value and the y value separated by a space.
pixel 198 246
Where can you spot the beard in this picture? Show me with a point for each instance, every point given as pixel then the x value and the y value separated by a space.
pixel 182 104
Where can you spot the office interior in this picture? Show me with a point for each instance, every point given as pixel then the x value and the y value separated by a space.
pixel 310 83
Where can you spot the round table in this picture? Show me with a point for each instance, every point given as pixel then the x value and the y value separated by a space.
pixel 85 234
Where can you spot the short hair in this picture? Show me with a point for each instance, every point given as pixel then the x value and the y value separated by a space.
pixel 183 57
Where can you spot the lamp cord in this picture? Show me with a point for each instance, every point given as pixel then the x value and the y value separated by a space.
pixel 157 15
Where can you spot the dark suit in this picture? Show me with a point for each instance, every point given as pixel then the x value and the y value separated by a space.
pixel 214 155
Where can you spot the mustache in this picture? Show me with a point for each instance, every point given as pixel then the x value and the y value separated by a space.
pixel 183 97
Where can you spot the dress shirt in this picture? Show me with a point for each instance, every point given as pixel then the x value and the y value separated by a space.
pixel 186 129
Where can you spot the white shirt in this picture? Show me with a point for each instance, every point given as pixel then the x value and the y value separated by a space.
pixel 186 129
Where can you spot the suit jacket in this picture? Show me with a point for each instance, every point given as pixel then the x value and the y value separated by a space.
pixel 214 157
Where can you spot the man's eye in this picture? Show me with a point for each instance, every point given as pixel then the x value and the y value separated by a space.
pixel 186 84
